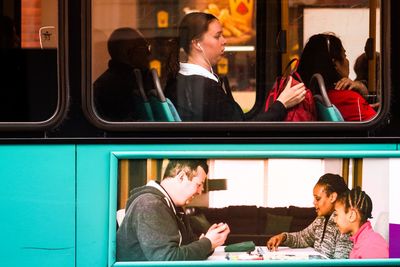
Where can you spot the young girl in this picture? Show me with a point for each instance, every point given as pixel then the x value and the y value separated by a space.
pixel 353 209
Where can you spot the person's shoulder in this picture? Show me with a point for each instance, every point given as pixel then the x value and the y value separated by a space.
pixel 146 194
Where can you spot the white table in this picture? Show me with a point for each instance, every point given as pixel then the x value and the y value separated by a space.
pixel 283 253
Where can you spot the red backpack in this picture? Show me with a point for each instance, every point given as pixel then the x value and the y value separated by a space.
pixel 304 111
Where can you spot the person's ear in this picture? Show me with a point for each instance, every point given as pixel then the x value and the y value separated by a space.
pixel 198 45
pixel 333 197
pixel 180 176
pixel 352 215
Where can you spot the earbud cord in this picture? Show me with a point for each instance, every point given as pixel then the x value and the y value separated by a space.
pixel 208 62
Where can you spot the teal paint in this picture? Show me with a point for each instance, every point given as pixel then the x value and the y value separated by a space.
pixel 37 203
pixel 58 201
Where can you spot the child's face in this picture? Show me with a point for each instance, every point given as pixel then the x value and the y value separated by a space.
pixel 342 219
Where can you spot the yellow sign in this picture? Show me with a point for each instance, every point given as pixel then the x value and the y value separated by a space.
pixel 156 64
pixel 222 66
pixel 242 9
pixel 162 19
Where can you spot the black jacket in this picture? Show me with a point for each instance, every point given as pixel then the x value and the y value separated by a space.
pixel 198 98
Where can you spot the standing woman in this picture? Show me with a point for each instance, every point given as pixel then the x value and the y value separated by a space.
pixel 324 54
pixel 322 234
pixel 193 87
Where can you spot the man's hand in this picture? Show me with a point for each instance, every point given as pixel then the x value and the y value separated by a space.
pixel 217 234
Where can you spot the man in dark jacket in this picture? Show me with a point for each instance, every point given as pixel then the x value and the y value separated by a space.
pixel 155 228
pixel 116 92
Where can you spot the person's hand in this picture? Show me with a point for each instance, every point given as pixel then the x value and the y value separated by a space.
pixel 274 242
pixel 292 95
pixel 217 234
pixel 349 84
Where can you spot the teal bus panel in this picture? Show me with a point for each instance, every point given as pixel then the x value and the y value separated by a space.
pixel 97 188
pixel 37 203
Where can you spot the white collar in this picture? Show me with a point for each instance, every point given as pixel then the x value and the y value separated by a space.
pixel 162 190
pixel 193 69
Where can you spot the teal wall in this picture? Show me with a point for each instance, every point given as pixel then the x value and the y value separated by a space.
pixel 37 205
pixel 54 199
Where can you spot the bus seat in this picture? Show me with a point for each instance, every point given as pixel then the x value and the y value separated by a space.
pixel 163 109
pixel 146 103
pixel 325 109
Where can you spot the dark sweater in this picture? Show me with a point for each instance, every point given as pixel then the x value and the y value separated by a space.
pixel 151 231
pixel 198 98
pixel 116 94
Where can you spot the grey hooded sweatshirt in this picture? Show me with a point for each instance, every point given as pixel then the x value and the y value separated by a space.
pixel 154 230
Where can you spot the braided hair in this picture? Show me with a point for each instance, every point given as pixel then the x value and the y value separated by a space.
pixel 358 199
pixel 333 183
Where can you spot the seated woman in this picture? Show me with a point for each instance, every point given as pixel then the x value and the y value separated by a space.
pixel 324 54
pixel 194 89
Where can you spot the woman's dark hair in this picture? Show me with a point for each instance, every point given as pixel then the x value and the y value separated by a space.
pixel 358 199
pixel 192 27
pixel 333 183
pixel 318 56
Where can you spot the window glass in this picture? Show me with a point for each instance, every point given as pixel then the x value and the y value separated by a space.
pixel 258 40
pixel 28 60
pixel 256 192
pixel 356 24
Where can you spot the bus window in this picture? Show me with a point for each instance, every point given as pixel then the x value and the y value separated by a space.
pixel 261 38
pixel 357 25
pixel 254 199
pixel 28 59
pixel 157 23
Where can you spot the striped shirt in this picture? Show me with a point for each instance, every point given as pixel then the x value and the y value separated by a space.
pixel 325 239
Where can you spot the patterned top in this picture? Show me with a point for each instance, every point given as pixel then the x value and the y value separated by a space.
pixel 325 239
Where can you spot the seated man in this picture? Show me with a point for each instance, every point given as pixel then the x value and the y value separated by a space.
pixel 154 229
pixel 116 93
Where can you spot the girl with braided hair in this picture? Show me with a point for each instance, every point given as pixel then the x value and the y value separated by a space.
pixel 322 234
pixel 352 211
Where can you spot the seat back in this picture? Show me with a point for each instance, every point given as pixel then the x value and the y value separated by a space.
pixel 146 103
pixel 326 110
pixel 162 107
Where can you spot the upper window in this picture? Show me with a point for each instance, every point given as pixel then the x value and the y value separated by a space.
pixel 28 59
pixel 209 61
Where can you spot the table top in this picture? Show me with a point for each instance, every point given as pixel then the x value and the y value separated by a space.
pixel 262 253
